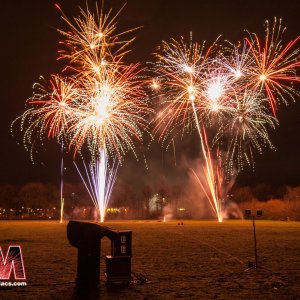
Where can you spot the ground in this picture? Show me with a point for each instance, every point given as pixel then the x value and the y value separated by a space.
pixel 199 260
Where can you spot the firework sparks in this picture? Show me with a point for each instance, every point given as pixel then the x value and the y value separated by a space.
pixel 275 64
pixel 48 116
pixel 183 69
pixel 101 106
pixel 112 110
pixel 111 113
pixel 179 68
pixel 212 186
pixel 235 89
pixel 246 129
pixel 49 110
pixel 237 60
pixel 99 181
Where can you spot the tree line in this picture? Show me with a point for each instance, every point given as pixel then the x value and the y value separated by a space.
pixel 148 201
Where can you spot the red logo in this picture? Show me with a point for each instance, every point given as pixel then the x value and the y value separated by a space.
pixel 13 261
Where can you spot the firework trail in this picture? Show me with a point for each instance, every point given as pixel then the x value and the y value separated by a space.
pixel 214 183
pixel 99 181
pixel 62 202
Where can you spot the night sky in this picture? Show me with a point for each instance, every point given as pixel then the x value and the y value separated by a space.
pixel 29 49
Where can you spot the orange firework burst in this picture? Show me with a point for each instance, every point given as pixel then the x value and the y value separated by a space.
pixel 111 112
pixel 180 67
pixel 49 110
pixel 93 43
pixel 103 102
pixel 275 64
pixel 101 105
pixel 112 108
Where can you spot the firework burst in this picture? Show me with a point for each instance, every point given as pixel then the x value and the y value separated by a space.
pixel 183 69
pixel 274 64
pixel 49 110
pixel 111 112
pixel 235 89
pixel 179 68
pixel 245 129
pixel 101 106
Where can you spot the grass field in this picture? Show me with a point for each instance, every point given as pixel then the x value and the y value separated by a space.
pixel 199 260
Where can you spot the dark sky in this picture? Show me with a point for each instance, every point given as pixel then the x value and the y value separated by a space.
pixel 29 49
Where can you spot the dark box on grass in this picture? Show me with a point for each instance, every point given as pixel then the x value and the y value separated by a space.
pixel 118 268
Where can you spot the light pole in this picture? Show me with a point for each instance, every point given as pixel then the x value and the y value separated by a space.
pixel 258 213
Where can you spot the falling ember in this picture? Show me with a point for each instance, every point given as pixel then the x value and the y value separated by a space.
pixel 164 219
